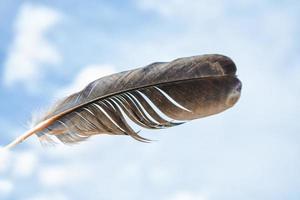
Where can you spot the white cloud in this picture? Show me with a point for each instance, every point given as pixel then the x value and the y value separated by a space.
pixel 16 163
pixel 184 195
pixel 55 176
pixel 84 77
pixel 160 176
pixel 184 9
pixel 6 187
pixel 14 166
pixel 5 159
pixel 48 196
pixel 24 164
pixel 31 54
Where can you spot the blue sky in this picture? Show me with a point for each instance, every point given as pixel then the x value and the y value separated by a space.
pixel 49 49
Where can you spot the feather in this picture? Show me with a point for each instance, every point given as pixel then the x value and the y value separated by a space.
pixel 160 95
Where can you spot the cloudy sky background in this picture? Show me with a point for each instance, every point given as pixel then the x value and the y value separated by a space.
pixel 51 48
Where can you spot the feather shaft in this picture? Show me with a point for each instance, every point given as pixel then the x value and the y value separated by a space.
pixel 41 126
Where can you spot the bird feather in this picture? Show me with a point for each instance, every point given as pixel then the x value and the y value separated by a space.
pixel 159 95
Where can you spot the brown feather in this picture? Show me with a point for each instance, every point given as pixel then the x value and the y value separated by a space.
pixel 182 90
